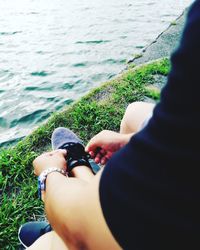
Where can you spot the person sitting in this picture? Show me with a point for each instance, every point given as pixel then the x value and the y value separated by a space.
pixel 147 194
pixel 136 116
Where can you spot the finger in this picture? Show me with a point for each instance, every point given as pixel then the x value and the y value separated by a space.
pixel 92 145
pixel 102 151
pixel 100 156
pixel 97 160
pixel 95 153
pixel 88 147
pixel 63 152
pixel 51 153
pixel 109 154
pixel 92 154
pixel 35 160
pixel 103 160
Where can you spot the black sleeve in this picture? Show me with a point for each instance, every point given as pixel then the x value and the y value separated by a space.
pixel 150 190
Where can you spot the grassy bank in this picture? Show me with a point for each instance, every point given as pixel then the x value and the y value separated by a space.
pixel 103 108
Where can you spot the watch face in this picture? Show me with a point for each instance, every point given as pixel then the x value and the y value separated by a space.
pixel 39 189
pixel 41 184
pixel 41 180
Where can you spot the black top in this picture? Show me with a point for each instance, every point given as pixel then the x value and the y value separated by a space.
pixel 150 189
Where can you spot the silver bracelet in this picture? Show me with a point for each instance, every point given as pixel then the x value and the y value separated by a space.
pixel 43 176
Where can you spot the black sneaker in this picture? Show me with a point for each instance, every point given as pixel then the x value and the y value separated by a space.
pixel 63 138
pixel 29 232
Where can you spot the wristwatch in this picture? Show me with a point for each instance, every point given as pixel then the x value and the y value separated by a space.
pixel 43 176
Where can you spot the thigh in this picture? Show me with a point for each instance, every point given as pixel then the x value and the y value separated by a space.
pixel 135 116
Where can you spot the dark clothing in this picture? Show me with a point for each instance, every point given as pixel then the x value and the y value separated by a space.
pixel 150 190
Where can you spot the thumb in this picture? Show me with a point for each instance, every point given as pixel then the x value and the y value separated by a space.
pixel 87 147
pixel 91 146
pixel 63 152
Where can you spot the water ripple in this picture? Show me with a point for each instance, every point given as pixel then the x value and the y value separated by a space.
pixel 52 54
pixel 41 73
pixel 67 85
pixel 113 61
pixel 3 122
pixel 63 103
pixel 93 42
pixel 35 88
pixel 28 119
pixel 9 33
pixel 5 76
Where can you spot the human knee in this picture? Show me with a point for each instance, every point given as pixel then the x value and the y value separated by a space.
pixel 135 107
pixel 135 115
pixel 130 112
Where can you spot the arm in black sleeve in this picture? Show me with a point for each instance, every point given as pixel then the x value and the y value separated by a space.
pixel 150 190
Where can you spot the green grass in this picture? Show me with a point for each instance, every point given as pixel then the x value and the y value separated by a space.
pixel 102 108
pixel 137 56
pixel 153 92
pixel 173 23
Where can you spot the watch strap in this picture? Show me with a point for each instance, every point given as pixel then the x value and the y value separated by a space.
pixel 76 156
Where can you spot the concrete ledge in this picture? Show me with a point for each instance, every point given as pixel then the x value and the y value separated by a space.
pixel 165 44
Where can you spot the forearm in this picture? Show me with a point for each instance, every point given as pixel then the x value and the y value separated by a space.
pixel 61 200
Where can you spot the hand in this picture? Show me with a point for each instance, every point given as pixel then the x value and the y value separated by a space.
pixel 102 146
pixel 50 159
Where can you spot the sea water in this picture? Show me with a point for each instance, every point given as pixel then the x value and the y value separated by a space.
pixel 52 52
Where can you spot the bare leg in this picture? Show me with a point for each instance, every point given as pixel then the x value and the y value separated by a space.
pixel 49 241
pixel 136 113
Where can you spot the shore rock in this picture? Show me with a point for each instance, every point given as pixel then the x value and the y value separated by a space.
pixel 164 44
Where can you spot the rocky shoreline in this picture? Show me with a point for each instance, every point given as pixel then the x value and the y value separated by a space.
pixel 164 44
pixel 162 47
